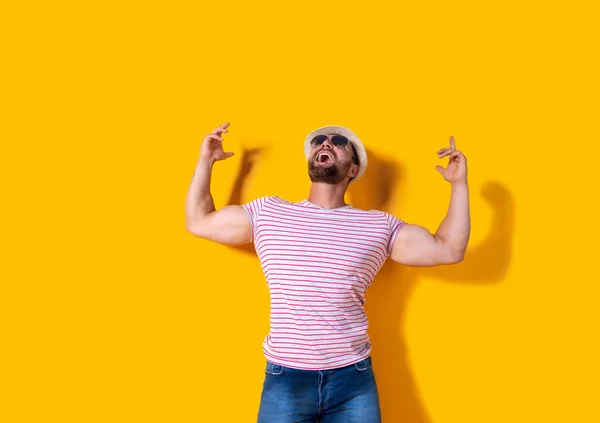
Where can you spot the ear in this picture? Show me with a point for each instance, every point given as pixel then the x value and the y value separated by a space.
pixel 353 170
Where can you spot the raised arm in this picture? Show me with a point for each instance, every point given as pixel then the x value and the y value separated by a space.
pixel 416 246
pixel 228 225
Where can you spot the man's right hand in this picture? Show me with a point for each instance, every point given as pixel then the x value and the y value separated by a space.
pixel 212 145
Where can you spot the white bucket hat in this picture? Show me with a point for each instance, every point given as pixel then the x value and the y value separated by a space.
pixel 361 153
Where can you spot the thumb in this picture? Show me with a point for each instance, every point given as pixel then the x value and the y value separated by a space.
pixel 229 154
pixel 440 169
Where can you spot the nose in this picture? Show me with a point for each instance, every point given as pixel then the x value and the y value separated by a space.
pixel 327 143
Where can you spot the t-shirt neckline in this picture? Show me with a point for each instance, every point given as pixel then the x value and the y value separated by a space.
pixel 308 203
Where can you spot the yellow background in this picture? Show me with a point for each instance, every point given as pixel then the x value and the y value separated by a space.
pixel 111 312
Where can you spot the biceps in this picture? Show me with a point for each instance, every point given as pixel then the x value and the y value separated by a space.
pixel 229 225
pixel 416 246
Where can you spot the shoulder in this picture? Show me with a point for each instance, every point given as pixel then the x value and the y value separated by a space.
pixel 378 218
pixel 393 222
pixel 276 200
pixel 264 201
pixel 377 214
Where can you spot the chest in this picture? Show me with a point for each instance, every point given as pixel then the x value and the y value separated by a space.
pixel 343 243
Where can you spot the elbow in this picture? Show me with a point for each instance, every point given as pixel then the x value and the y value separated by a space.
pixel 450 248
pixel 457 256
pixel 191 229
pixel 450 252
pixel 453 256
pixel 194 227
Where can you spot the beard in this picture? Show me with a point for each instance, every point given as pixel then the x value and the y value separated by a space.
pixel 333 174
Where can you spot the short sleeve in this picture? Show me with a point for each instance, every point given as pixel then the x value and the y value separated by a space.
pixel 394 225
pixel 253 209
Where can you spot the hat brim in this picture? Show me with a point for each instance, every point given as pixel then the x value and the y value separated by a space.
pixel 361 153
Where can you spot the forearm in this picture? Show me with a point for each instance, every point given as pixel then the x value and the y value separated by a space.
pixel 199 201
pixel 455 229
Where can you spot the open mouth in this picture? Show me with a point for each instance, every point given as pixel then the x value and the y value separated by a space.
pixel 324 157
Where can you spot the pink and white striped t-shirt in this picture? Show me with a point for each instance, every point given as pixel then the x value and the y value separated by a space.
pixel 318 264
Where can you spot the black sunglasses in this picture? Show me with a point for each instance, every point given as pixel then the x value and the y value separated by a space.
pixel 336 140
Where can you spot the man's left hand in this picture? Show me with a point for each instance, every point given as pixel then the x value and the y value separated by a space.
pixel 456 171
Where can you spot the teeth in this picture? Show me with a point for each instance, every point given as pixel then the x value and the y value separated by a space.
pixel 322 157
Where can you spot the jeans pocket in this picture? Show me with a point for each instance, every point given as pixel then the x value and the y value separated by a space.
pixel 363 365
pixel 273 369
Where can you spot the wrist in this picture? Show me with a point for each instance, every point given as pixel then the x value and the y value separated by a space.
pixel 460 184
pixel 204 161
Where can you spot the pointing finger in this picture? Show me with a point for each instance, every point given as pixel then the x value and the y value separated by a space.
pixel 221 128
pixel 452 144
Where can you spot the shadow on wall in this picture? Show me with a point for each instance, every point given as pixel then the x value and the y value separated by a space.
pixel 388 297
pixel 247 162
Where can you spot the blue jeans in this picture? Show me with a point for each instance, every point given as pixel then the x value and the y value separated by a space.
pixel 344 395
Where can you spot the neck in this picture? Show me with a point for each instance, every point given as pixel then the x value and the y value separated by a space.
pixel 328 196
